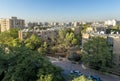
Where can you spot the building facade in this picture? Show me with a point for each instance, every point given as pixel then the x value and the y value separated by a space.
pixel 32 24
pixel 112 22
pixel 13 22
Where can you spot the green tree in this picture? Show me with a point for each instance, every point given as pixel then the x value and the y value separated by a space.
pixel 96 53
pixel 5 37
pixel 61 36
pixel 34 42
pixel 45 78
pixel 43 49
pixel 10 38
pixel 71 39
pixel 74 41
pixel 82 78
pixel 14 32
pixel 23 64
pixel 16 42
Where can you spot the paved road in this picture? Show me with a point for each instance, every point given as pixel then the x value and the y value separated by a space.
pixel 68 66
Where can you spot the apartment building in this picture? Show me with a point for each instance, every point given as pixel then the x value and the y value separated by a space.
pixel 44 34
pixel 54 24
pixel 75 24
pixel 13 22
pixel 112 22
pixel 32 24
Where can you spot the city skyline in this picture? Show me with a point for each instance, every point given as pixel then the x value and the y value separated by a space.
pixel 60 10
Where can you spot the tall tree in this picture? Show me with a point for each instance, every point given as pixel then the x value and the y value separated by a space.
pixel 34 42
pixel 71 39
pixel 61 35
pixel 96 53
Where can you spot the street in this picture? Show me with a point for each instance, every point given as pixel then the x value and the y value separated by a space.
pixel 67 66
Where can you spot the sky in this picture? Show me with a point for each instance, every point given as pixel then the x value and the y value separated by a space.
pixel 61 10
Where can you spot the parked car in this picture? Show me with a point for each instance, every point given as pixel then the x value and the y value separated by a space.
pixel 95 78
pixel 76 72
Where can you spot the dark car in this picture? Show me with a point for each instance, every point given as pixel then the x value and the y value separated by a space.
pixel 76 72
pixel 95 78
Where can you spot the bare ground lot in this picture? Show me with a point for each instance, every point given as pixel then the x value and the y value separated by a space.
pixel 67 66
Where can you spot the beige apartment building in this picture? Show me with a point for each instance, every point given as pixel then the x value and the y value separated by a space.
pixel 13 22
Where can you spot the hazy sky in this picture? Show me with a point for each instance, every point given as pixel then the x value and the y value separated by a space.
pixel 61 10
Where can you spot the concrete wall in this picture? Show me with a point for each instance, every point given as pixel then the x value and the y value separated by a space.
pixel 116 50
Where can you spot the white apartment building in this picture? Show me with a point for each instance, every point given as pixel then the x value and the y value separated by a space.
pixel 75 24
pixel 112 22
pixel 54 24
